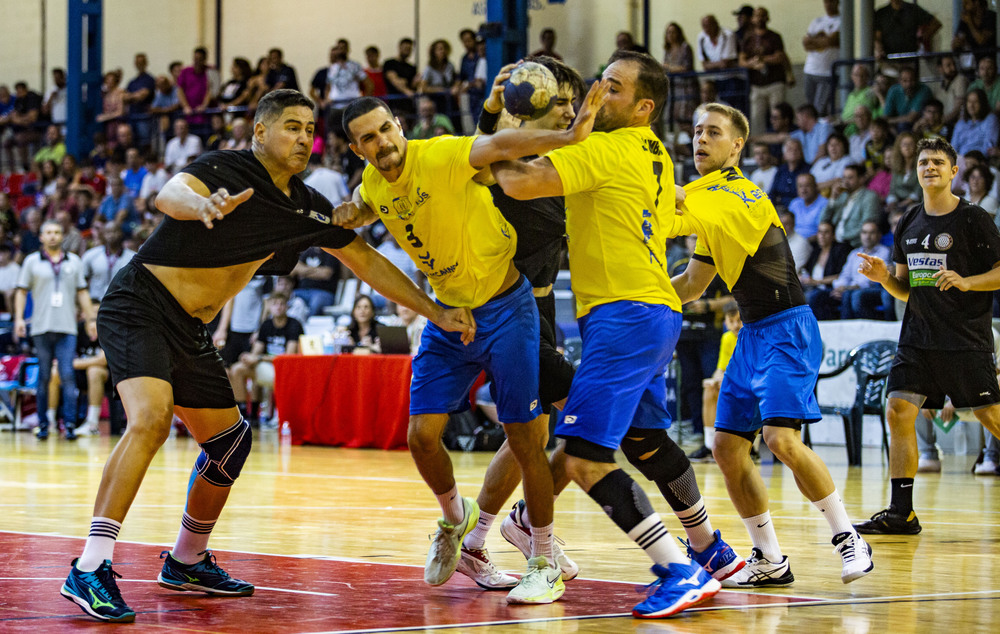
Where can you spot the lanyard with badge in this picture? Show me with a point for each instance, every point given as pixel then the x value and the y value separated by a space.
pixel 57 296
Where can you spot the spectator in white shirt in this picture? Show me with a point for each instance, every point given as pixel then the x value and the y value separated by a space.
pixel 862 133
pixel 822 44
pixel 182 149
pixel 326 181
pixel 767 167
pixel 800 246
pixel 830 168
pixel 716 46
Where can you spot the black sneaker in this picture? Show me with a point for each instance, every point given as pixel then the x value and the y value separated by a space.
pixel 70 433
pixel 97 594
pixel 702 454
pixel 204 576
pixel 889 522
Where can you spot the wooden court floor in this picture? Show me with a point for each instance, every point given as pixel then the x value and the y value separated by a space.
pixel 335 540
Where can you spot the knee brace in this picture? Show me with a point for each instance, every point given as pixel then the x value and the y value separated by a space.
pixel 222 456
pixel 654 454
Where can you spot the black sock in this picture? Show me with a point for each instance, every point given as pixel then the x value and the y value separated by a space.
pixel 622 499
pixel 902 496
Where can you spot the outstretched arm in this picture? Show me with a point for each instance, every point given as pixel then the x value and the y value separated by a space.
pixel 184 197
pixel 510 144
pixel 382 275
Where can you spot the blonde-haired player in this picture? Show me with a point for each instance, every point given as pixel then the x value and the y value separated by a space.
pixel 778 351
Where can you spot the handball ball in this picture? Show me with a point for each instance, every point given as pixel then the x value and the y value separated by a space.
pixel 530 92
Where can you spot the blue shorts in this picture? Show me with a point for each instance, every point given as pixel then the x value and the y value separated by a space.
pixel 774 367
pixel 506 347
pixel 620 382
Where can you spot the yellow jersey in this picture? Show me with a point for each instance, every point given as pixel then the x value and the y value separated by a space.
pixel 619 189
pixel 730 216
pixel 445 222
pixel 726 349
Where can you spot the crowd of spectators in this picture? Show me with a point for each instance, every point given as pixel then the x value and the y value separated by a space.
pixel 840 171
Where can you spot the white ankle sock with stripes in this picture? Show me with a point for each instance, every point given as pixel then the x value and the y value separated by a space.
pixel 192 540
pixel 100 544
pixel 654 538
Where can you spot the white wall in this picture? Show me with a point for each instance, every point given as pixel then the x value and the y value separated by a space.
pixel 168 30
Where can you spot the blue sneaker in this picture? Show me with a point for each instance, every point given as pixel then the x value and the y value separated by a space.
pixel 204 576
pixel 679 587
pixel 97 593
pixel 718 560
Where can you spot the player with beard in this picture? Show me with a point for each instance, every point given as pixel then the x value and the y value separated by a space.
pixel 541 227
pixel 425 193
pixel 619 190
pixel 778 352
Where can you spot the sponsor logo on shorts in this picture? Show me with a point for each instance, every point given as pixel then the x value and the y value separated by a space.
pixel 569 420
pixel 534 404
pixel 984 393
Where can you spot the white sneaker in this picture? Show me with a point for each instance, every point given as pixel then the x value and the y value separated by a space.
pixel 475 564
pixel 856 553
pixel 986 467
pixel 929 465
pixel 445 551
pixel 517 531
pixel 541 584
pixel 760 572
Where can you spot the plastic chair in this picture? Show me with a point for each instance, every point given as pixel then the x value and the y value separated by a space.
pixel 871 362
pixel 23 380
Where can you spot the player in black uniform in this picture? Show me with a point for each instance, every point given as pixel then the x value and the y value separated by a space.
pixel 947 254
pixel 152 328
pixel 541 229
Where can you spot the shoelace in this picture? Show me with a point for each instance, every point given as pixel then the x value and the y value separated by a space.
pixel 650 589
pixel 209 565
pixel 106 575
pixel 846 550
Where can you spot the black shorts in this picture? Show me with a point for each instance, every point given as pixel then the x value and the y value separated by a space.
pixel 236 344
pixel 555 373
pixel 145 332
pixel 967 376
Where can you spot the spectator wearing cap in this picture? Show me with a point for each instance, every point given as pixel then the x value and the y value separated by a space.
pixel 743 17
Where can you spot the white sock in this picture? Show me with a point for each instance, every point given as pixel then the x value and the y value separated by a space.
pixel 50 415
pixel 452 506
pixel 93 415
pixel 709 437
pixel 832 508
pixel 762 534
pixel 476 539
pixel 541 543
pixel 697 526
pixel 192 540
pixel 654 538
pixel 100 544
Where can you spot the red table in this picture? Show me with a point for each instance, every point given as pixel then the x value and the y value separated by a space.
pixel 344 400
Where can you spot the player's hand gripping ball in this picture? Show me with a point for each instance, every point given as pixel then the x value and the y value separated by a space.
pixel 530 92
